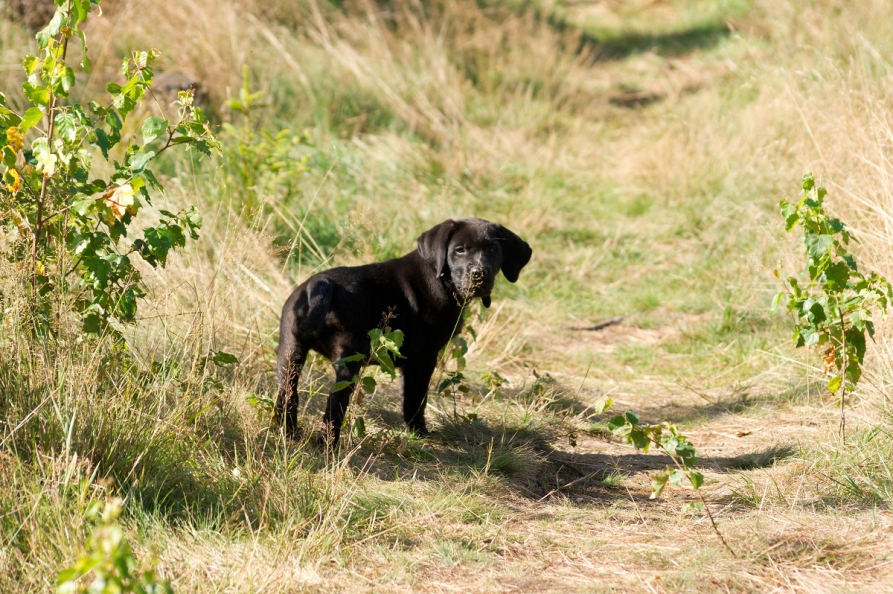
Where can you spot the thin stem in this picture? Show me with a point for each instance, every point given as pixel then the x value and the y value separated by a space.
pixel 39 221
pixel 713 522
pixel 685 471
pixel 843 382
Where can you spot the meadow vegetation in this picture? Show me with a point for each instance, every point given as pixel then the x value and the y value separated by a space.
pixel 640 147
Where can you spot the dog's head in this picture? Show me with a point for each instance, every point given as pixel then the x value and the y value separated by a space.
pixel 469 252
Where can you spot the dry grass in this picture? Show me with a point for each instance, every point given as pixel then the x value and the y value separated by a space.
pixel 642 148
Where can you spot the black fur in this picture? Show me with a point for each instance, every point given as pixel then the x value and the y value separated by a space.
pixel 333 311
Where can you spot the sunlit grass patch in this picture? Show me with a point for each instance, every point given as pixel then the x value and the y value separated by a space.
pixel 645 177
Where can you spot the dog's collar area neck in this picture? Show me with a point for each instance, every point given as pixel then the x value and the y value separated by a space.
pixel 447 282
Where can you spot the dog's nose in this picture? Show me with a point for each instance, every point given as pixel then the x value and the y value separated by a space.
pixel 477 273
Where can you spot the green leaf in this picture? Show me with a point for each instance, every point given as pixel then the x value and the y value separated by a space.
pixel 127 305
pixel 810 337
pixel 79 11
pixel 856 341
pixel 854 372
pixel 632 417
pixel 66 125
pixel 153 127
pixel 386 364
pixel 602 405
pixel 37 94
pixel 31 64
pixel 67 575
pixel 676 477
pixel 834 383
pixel 837 275
pixel 30 119
pixel 617 424
pixel 816 313
pixel 351 359
pixel 8 119
pixel 818 245
pixel 338 386
pixel 67 81
pixel 670 443
pixel 697 479
pixel 193 219
pixel 808 181
pixel 103 142
pixel 114 120
pixel 775 303
pixel 369 384
pixel 359 426
pixel 221 358
pixel 92 324
pixel 138 161
pixel 50 31
pixel 658 482
pixel 86 63
pixel 639 439
pixel 157 242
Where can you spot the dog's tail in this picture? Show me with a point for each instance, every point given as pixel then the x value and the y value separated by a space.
pixel 319 301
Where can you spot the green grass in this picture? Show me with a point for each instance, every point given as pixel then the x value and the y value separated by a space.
pixel 662 211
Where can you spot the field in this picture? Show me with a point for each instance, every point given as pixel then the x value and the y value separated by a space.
pixel 641 147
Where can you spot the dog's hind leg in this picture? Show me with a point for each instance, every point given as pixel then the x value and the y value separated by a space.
pixel 290 364
pixel 292 354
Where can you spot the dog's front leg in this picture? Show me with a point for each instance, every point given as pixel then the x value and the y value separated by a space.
pixel 339 400
pixel 417 371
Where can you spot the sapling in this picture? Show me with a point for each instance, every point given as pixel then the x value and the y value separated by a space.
pixel 834 308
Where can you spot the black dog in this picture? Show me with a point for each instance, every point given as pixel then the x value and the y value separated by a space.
pixel 333 311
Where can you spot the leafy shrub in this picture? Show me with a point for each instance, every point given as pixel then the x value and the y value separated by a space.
pixel 72 230
pixel 259 164
pixel 109 561
pixel 833 309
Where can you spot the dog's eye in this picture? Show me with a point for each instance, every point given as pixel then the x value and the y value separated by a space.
pixel 491 248
pixel 460 249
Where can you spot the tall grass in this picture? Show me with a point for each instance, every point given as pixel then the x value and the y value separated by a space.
pixel 642 155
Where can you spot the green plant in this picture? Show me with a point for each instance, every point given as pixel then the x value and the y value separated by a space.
pixel 452 360
pixel 73 230
pixel 834 308
pixel 384 347
pixel 108 566
pixel 454 356
pixel 682 453
pixel 258 163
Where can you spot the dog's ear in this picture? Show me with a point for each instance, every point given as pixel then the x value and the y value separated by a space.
pixel 433 244
pixel 515 253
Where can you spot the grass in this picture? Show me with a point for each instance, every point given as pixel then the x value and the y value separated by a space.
pixel 640 147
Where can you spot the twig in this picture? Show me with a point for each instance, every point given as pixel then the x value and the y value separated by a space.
pixel 600 326
pixel 570 484
pixel 843 382
pixel 701 497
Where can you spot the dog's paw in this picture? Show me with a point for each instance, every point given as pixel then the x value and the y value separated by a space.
pixel 420 430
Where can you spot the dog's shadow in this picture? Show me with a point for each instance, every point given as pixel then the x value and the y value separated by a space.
pixel 519 453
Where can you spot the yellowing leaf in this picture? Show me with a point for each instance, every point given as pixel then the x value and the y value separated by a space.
pixel 119 199
pixel 15 138
pixel 46 160
pixel 16 181
pixel 834 383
